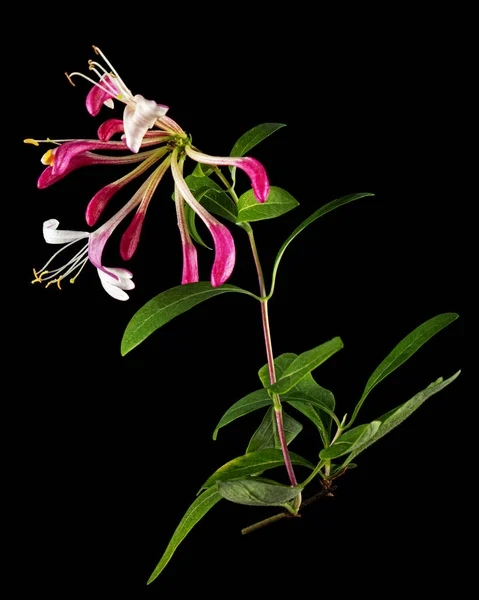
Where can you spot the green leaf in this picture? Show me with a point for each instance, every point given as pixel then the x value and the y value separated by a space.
pixel 321 400
pixel 266 436
pixel 281 363
pixel 213 197
pixel 190 218
pixel 304 363
pixel 278 203
pixel 201 170
pixel 395 417
pixel 195 512
pixel 253 463
pixel 253 137
pixel 319 213
pixel 404 350
pixel 350 440
pixel 166 306
pixel 257 493
pixel 307 396
pixel 242 407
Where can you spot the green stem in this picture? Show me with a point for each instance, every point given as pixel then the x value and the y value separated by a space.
pixel 278 410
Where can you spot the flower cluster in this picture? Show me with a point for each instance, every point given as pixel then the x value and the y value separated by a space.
pixel 152 142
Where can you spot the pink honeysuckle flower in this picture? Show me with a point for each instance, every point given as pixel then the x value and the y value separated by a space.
pixel 139 114
pixel 144 126
pixel 225 253
pixel 102 197
pixel 114 280
pixel 100 95
pixel 49 177
pixel 252 167
pixel 130 238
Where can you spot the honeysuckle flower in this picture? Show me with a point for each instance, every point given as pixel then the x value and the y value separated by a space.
pixel 139 114
pixel 223 240
pixel 114 280
pixel 252 167
pixel 147 136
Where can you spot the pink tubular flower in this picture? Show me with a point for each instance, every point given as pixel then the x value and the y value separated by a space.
pixel 146 136
pixel 139 114
pixel 253 168
pixel 224 245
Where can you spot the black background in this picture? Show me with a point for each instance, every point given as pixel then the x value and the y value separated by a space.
pixel 109 451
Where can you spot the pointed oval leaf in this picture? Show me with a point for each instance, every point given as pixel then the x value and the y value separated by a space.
pixel 266 436
pixel 350 440
pixel 307 396
pixel 319 213
pixel 253 137
pixel 278 203
pixel 195 512
pixel 305 363
pixel 395 417
pixel 190 218
pixel 321 400
pixel 256 493
pixel 254 463
pixel 166 306
pixel 213 197
pixel 280 365
pixel 242 407
pixel 404 350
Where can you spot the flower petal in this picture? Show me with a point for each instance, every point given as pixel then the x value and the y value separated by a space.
pixel 225 252
pixel 190 264
pixel 190 256
pixel 252 167
pixel 115 281
pixel 131 237
pixel 98 96
pixel 53 235
pixel 69 150
pixel 139 119
pixel 100 200
pixel 108 129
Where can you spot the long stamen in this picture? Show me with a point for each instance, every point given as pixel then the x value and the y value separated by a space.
pixel 72 263
pixel 100 53
pixel 47 141
pixel 96 83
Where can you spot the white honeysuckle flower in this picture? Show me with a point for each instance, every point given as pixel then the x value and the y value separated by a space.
pixel 114 280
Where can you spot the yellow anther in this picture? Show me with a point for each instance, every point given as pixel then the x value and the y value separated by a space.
pixel 38 277
pixel 95 49
pixel 57 281
pixel 120 96
pixel 69 79
pixel 31 141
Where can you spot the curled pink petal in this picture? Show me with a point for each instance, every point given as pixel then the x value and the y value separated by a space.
pixel 108 129
pixel 257 173
pixel 190 264
pixel 131 237
pixel 69 150
pixel 139 118
pixel 97 96
pixel 225 254
pixel 99 201
pixel 252 167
